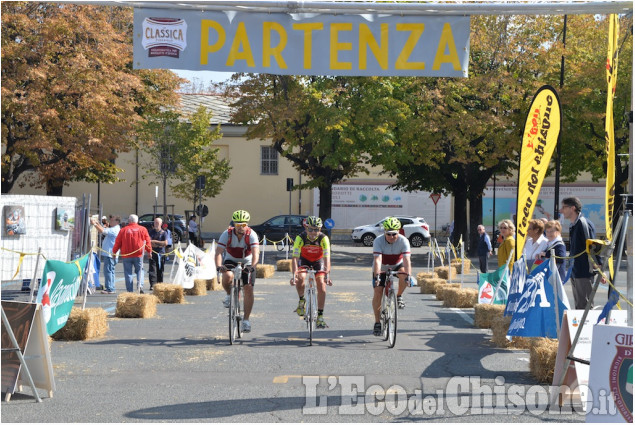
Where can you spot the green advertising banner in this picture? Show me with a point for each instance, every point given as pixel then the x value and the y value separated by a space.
pixel 60 282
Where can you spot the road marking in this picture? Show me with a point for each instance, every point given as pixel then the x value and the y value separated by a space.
pixel 283 379
pixel 463 314
pixel 523 359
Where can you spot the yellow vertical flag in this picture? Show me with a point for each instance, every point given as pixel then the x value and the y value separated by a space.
pixel 542 129
pixel 609 134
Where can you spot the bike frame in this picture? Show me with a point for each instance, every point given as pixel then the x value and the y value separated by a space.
pixel 310 295
pixel 236 300
pixel 388 312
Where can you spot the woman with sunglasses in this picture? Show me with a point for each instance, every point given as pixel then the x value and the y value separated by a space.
pixel 312 249
pixel 238 244
pixel 391 251
pixel 507 230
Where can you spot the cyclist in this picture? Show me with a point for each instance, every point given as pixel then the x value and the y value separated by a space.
pixel 312 249
pixel 391 251
pixel 238 244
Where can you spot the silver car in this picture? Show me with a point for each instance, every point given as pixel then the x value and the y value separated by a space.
pixel 414 228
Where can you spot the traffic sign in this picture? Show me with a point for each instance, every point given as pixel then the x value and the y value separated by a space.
pixel 202 210
pixel 329 223
pixel 435 197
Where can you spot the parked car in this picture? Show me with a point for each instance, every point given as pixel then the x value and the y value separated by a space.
pixel 176 224
pixel 415 228
pixel 276 227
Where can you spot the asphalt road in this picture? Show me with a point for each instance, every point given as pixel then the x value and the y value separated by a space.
pixel 179 366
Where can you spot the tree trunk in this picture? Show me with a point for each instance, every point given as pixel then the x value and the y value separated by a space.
pixel 54 187
pixel 460 215
pixel 476 217
pixel 326 202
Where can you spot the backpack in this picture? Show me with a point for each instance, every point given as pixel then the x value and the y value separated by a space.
pixel 230 234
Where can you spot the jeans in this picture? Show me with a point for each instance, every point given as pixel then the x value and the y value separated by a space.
pixel 109 272
pixel 155 273
pixel 128 264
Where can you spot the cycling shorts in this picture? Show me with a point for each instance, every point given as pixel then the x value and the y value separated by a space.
pixel 230 265
pixel 382 275
pixel 319 266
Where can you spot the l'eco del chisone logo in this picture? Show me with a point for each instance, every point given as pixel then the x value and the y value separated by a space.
pixel 164 36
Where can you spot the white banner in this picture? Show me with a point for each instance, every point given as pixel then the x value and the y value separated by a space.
pixel 302 44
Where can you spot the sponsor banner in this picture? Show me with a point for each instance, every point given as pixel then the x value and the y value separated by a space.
pixel 542 129
pixel 516 286
pixel 188 263
pixel 60 282
pixel 302 44
pixel 609 133
pixel 492 286
pixel 534 311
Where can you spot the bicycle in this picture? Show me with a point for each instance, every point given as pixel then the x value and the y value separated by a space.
pixel 236 304
pixel 310 295
pixel 388 312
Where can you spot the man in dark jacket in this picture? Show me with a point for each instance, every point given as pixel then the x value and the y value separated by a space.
pixel 484 248
pixel 580 230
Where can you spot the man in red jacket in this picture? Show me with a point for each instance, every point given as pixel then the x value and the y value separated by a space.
pixel 131 241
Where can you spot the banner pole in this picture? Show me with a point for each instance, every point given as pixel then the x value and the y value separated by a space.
pixel 84 283
pixel 553 267
pixel 34 280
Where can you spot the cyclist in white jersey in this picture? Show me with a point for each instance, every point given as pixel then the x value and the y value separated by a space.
pixel 238 244
pixel 391 251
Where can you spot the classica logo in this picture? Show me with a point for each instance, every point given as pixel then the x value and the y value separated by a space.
pixel 164 36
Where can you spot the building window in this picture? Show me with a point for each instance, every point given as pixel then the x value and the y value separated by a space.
pixel 268 161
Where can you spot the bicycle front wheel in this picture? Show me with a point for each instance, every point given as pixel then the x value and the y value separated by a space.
pixel 309 316
pixel 392 319
pixel 240 311
pixel 233 319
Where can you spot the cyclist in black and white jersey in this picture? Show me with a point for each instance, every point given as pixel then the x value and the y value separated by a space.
pixel 391 251
pixel 238 244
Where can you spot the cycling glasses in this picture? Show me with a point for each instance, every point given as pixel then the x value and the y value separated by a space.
pixel 240 224
pixel 392 233
pixel 312 229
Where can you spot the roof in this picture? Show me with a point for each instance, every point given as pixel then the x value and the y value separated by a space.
pixel 217 104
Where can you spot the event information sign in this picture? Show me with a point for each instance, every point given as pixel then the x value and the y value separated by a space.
pixel 302 44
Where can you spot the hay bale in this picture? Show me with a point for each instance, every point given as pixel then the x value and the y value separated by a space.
pixel 467 263
pixel 83 324
pixel 168 293
pixel 441 290
pixel 500 326
pixel 424 275
pixel 460 298
pixel 443 272
pixel 131 304
pixel 213 284
pixel 542 359
pixel 264 270
pixel 429 286
pixel 485 313
pixel 199 288
pixel 283 265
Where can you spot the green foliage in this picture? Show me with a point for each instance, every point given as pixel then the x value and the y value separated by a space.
pixel 179 149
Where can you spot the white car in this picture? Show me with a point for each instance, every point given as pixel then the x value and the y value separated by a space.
pixel 415 228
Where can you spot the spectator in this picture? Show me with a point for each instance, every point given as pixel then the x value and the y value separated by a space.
pixel 555 243
pixel 107 258
pixel 507 229
pixel 168 248
pixel 131 242
pixel 580 230
pixel 484 248
pixel 159 240
pixel 192 229
pixel 536 241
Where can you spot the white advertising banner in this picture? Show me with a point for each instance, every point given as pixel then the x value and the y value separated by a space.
pixel 611 376
pixel 360 204
pixel 301 44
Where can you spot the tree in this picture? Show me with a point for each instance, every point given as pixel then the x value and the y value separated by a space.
pixel 324 125
pixel 459 132
pixel 70 98
pixel 180 149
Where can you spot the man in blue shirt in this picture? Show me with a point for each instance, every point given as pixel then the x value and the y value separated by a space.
pixel 159 240
pixel 108 259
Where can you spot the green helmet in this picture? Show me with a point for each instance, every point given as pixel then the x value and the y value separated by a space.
pixel 392 223
pixel 241 216
pixel 314 221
